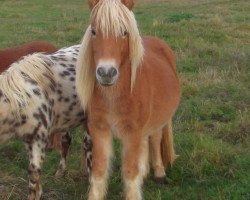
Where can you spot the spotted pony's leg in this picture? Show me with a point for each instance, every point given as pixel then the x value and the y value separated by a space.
pixel 36 150
pixel 65 143
pixel 87 146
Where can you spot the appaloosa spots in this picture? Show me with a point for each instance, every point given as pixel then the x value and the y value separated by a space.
pixel 37 92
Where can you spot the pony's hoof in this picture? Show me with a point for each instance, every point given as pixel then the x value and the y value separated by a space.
pixel 86 176
pixel 60 173
pixel 35 196
pixel 161 180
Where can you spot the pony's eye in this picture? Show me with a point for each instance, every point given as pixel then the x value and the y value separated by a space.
pixel 93 32
pixel 125 33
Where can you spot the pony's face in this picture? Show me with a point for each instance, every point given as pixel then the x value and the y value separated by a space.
pixel 109 54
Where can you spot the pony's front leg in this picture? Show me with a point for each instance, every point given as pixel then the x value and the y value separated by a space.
pixel 102 151
pixel 144 159
pixel 134 164
pixel 65 144
pixel 36 150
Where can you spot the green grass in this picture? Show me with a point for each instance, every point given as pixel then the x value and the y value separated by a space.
pixel 211 40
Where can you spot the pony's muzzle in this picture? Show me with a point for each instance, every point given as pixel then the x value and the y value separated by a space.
pixel 106 75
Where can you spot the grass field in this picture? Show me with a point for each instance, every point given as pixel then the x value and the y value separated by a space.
pixel 211 39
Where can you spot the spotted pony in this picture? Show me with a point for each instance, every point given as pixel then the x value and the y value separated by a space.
pixel 37 100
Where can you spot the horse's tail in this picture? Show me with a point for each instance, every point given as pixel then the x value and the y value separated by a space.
pixel 167 146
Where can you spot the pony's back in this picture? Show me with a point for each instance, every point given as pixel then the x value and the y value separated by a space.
pixel 11 55
pixel 160 48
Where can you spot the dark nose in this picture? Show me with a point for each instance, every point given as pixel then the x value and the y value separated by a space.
pixel 111 72
pixel 101 71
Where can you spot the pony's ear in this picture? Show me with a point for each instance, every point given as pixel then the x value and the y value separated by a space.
pixel 128 3
pixel 92 3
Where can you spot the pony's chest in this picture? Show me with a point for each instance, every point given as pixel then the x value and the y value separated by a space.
pixel 124 118
pixel 122 113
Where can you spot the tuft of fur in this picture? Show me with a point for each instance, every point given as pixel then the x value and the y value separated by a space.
pixel 13 81
pixel 85 75
pixel 167 146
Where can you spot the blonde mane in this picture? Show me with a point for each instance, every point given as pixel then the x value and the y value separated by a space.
pixel 111 17
pixel 13 81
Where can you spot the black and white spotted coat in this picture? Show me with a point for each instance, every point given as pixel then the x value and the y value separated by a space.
pixel 51 105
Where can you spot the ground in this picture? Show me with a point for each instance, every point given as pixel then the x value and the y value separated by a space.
pixel 211 39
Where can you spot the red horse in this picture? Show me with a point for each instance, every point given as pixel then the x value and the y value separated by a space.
pixel 11 55
pixel 130 89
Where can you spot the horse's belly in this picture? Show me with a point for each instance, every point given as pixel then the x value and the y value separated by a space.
pixel 67 121
pixel 68 113
pixel 164 104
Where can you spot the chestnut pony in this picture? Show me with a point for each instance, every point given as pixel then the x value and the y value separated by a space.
pixel 130 89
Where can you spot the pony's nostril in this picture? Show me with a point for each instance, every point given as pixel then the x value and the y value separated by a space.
pixel 112 72
pixel 101 72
